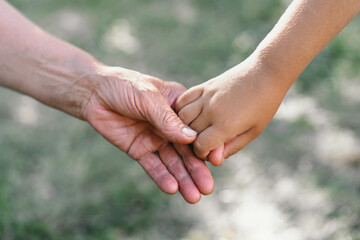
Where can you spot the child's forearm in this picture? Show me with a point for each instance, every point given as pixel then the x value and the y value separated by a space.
pixel 39 65
pixel 302 32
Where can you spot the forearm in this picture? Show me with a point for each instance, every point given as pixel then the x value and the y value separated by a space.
pixel 302 32
pixel 39 65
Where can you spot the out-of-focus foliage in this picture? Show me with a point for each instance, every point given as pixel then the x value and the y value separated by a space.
pixel 61 180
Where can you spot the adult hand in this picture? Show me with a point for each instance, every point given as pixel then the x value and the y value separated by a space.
pixel 129 109
pixel 133 112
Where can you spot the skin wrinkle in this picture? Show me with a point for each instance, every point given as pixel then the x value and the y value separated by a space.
pixel 82 81
pixel 130 151
pixel 192 168
pixel 155 168
pixel 183 176
pixel 172 166
pixel 160 176
pixel 173 160
pixel 127 127
pixel 60 86
pixel 117 102
pixel 185 185
pixel 133 99
pixel 127 149
pixel 133 151
pixel 168 117
pixel 122 85
pixel 140 103
pixel 136 97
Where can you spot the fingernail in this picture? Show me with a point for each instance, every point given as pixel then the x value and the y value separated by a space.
pixel 188 132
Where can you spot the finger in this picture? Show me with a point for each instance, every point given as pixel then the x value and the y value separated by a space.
pixel 191 111
pixel 165 120
pixel 171 91
pixel 216 156
pixel 197 168
pixel 188 97
pixel 209 139
pixel 175 165
pixel 239 142
pixel 174 91
pixel 201 123
pixel 157 171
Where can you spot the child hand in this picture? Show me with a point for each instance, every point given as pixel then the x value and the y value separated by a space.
pixel 230 110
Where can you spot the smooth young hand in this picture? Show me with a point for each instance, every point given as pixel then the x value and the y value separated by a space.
pixel 235 107
pixel 230 110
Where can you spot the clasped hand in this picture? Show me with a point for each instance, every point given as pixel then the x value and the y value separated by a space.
pixel 133 112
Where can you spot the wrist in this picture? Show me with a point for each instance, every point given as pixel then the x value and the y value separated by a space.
pixel 69 84
pixel 84 86
pixel 275 69
pixel 261 76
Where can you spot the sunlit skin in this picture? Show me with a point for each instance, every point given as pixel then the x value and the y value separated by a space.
pixel 131 110
pixel 132 121
pixel 232 109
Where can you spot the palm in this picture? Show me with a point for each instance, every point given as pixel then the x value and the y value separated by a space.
pixel 135 137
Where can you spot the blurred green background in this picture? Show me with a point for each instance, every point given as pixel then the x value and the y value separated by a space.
pixel 299 180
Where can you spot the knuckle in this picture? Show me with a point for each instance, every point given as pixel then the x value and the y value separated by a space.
pixel 175 165
pixel 169 117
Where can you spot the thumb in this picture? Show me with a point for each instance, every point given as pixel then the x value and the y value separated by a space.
pixel 168 124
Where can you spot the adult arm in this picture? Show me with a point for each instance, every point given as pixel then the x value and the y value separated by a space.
pixel 131 110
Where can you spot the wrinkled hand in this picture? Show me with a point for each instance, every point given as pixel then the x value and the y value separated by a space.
pixel 133 111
